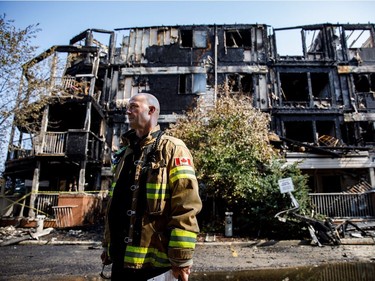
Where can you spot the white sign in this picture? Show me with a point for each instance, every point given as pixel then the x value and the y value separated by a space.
pixel 286 185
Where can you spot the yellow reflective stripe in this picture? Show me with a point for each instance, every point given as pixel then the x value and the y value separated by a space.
pixel 182 172
pixel 110 191
pixel 156 191
pixel 142 255
pixel 182 239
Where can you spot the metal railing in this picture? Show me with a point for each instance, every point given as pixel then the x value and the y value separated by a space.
pixel 344 205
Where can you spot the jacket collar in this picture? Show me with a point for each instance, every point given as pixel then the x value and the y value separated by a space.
pixel 131 139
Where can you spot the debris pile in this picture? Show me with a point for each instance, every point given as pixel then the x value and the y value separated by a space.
pixel 11 232
pixel 12 235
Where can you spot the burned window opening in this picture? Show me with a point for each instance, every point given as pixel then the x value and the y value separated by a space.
pixel 326 133
pixel 349 135
pixel 186 38
pixel 359 133
pixel 358 38
pixel 300 131
pixel 367 132
pixel 199 38
pixel 364 82
pixel 360 45
pixel 331 183
pixel 320 86
pixel 238 38
pixel 288 43
pixel 335 180
pixel 199 83
pixel 183 84
pixel 240 83
pixel 295 88
pixel 314 41
pixel 192 83
pixel 233 83
pixel 296 91
pixel 365 88
pixel 193 38
pixel 63 117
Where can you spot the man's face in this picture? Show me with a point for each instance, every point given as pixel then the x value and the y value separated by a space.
pixel 138 112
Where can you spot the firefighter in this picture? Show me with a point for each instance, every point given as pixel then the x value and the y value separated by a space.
pixel 151 225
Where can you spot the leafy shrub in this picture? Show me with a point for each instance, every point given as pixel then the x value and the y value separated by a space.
pixel 236 165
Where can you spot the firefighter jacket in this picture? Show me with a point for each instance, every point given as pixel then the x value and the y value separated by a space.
pixel 161 225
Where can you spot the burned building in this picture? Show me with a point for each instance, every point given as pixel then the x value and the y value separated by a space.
pixel 319 91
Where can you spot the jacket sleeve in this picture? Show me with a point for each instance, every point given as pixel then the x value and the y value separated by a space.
pixel 185 205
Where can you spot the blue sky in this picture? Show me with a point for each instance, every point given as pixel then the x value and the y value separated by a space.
pixel 62 20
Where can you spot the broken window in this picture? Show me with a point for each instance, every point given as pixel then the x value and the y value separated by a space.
pixel 240 83
pixel 301 131
pixel 314 43
pixel 364 82
pixel 192 83
pixel 288 42
pixel 199 83
pixel 360 38
pixel 337 43
pixel 365 87
pixel 320 85
pixel 199 38
pixel 187 38
pixel 193 38
pixel 360 45
pixel 306 43
pixel 349 133
pixel 296 92
pixel 326 133
pixel 233 83
pixel 331 183
pixel 183 84
pixel 294 87
pixel 367 132
pixel 322 132
pixel 358 133
pixel 238 38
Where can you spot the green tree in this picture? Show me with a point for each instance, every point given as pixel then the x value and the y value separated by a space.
pixel 236 164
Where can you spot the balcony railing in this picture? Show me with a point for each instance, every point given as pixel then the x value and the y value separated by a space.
pixel 344 205
pixel 45 202
pixel 71 85
pixel 53 143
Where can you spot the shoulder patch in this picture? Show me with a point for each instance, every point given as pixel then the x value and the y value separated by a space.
pixel 182 161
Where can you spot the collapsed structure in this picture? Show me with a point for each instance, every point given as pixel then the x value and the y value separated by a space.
pixel 316 81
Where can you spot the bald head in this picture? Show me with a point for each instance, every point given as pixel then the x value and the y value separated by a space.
pixel 143 113
pixel 152 101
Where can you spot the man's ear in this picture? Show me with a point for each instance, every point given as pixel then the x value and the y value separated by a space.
pixel 152 109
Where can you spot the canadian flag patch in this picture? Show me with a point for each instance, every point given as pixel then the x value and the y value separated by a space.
pixel 182 161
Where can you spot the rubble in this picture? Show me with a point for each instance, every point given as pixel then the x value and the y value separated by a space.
pixel 13 235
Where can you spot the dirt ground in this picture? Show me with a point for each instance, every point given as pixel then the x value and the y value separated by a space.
pixel 213 254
